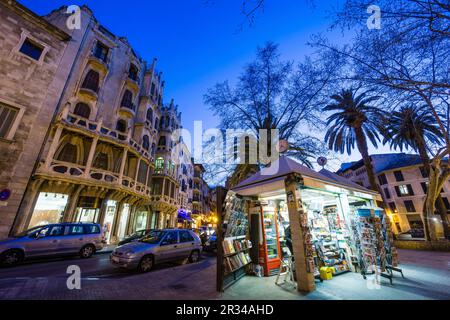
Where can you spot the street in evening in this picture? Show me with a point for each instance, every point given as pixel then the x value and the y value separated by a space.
pixel 254 155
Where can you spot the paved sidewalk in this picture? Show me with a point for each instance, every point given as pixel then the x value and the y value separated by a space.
pixel 427 276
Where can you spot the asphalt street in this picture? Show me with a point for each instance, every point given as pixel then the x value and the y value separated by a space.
pixel 47 279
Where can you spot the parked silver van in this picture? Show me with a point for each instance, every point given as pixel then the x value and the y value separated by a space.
pixel 52 240
pixel 158 246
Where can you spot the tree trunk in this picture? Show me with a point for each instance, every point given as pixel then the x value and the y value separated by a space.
pixel 439 204
pixel 430 201
pixel 363 149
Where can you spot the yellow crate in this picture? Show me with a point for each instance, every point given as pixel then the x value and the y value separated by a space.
pixel 326 273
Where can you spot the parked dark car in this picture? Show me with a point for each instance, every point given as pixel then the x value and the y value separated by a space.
pixel 211 243
pixel 135 236
pixel 416 233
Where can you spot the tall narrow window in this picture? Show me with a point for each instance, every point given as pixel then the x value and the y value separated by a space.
pixel 121 126
pixel 399 176
pixel 91 81
pixel 162 141
pixel 382 179
pixel 133 72
pixel 149 115
pixel 387 193
pixel 101 51
pixel 7 117
pixel 146 143
pixel 82 110
pixel 423 172
pixel 127 100
pixel 31 49
pixel 159 165
pixel 409 205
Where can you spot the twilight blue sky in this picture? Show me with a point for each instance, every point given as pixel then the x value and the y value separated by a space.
pixel 198 42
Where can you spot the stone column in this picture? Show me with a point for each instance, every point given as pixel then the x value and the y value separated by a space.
pixel 90 158
pixel 53 147
pixel 104 207
pixel 137 172
pixel 162 218
pixel 69 212
pixel 131 220
pixel 305 279
pixel 115 226
pixel 26 210
pixel 163 187
pixel 122 165
pixel 149 217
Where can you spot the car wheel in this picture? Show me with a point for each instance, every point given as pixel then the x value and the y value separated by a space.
pixel 87 251
pixel 11 258
pixel 194 257
pixel 146 264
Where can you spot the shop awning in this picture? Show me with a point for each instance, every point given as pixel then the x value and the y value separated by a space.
pixel 273 177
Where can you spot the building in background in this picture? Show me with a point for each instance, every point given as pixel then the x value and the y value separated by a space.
pixel 201 198
pixel 402 181
pixel 165 180
pixel 108 156
pixel 185 178
pixel 32 77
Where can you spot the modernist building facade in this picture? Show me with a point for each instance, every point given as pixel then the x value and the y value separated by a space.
pixel 402 181
pixel 108 155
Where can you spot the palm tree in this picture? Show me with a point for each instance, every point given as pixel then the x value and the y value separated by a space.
pixel 354 120
pixel 413 127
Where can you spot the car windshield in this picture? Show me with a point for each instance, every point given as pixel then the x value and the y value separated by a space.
pixel 153 237
pixel 28 232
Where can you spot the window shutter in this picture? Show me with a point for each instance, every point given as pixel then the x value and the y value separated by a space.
pixel 424 187
pixel 410 190
pixel 7 117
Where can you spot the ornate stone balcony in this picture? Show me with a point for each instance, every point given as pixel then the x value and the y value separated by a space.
pixel 72 172
pixel 102 64
pixel 96 128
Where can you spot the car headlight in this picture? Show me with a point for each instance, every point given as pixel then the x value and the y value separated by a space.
pixel 128 253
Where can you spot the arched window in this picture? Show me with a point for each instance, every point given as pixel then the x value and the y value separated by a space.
pixel 91 81
pixel 121 125
pixel 149 115
pixel 127 100
pixel 146 143
pixel 69 153
pixel 101 161
pixel 156 123
pixel 133 72
pixel 162 141
pixel 153 149
pixel 82 110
